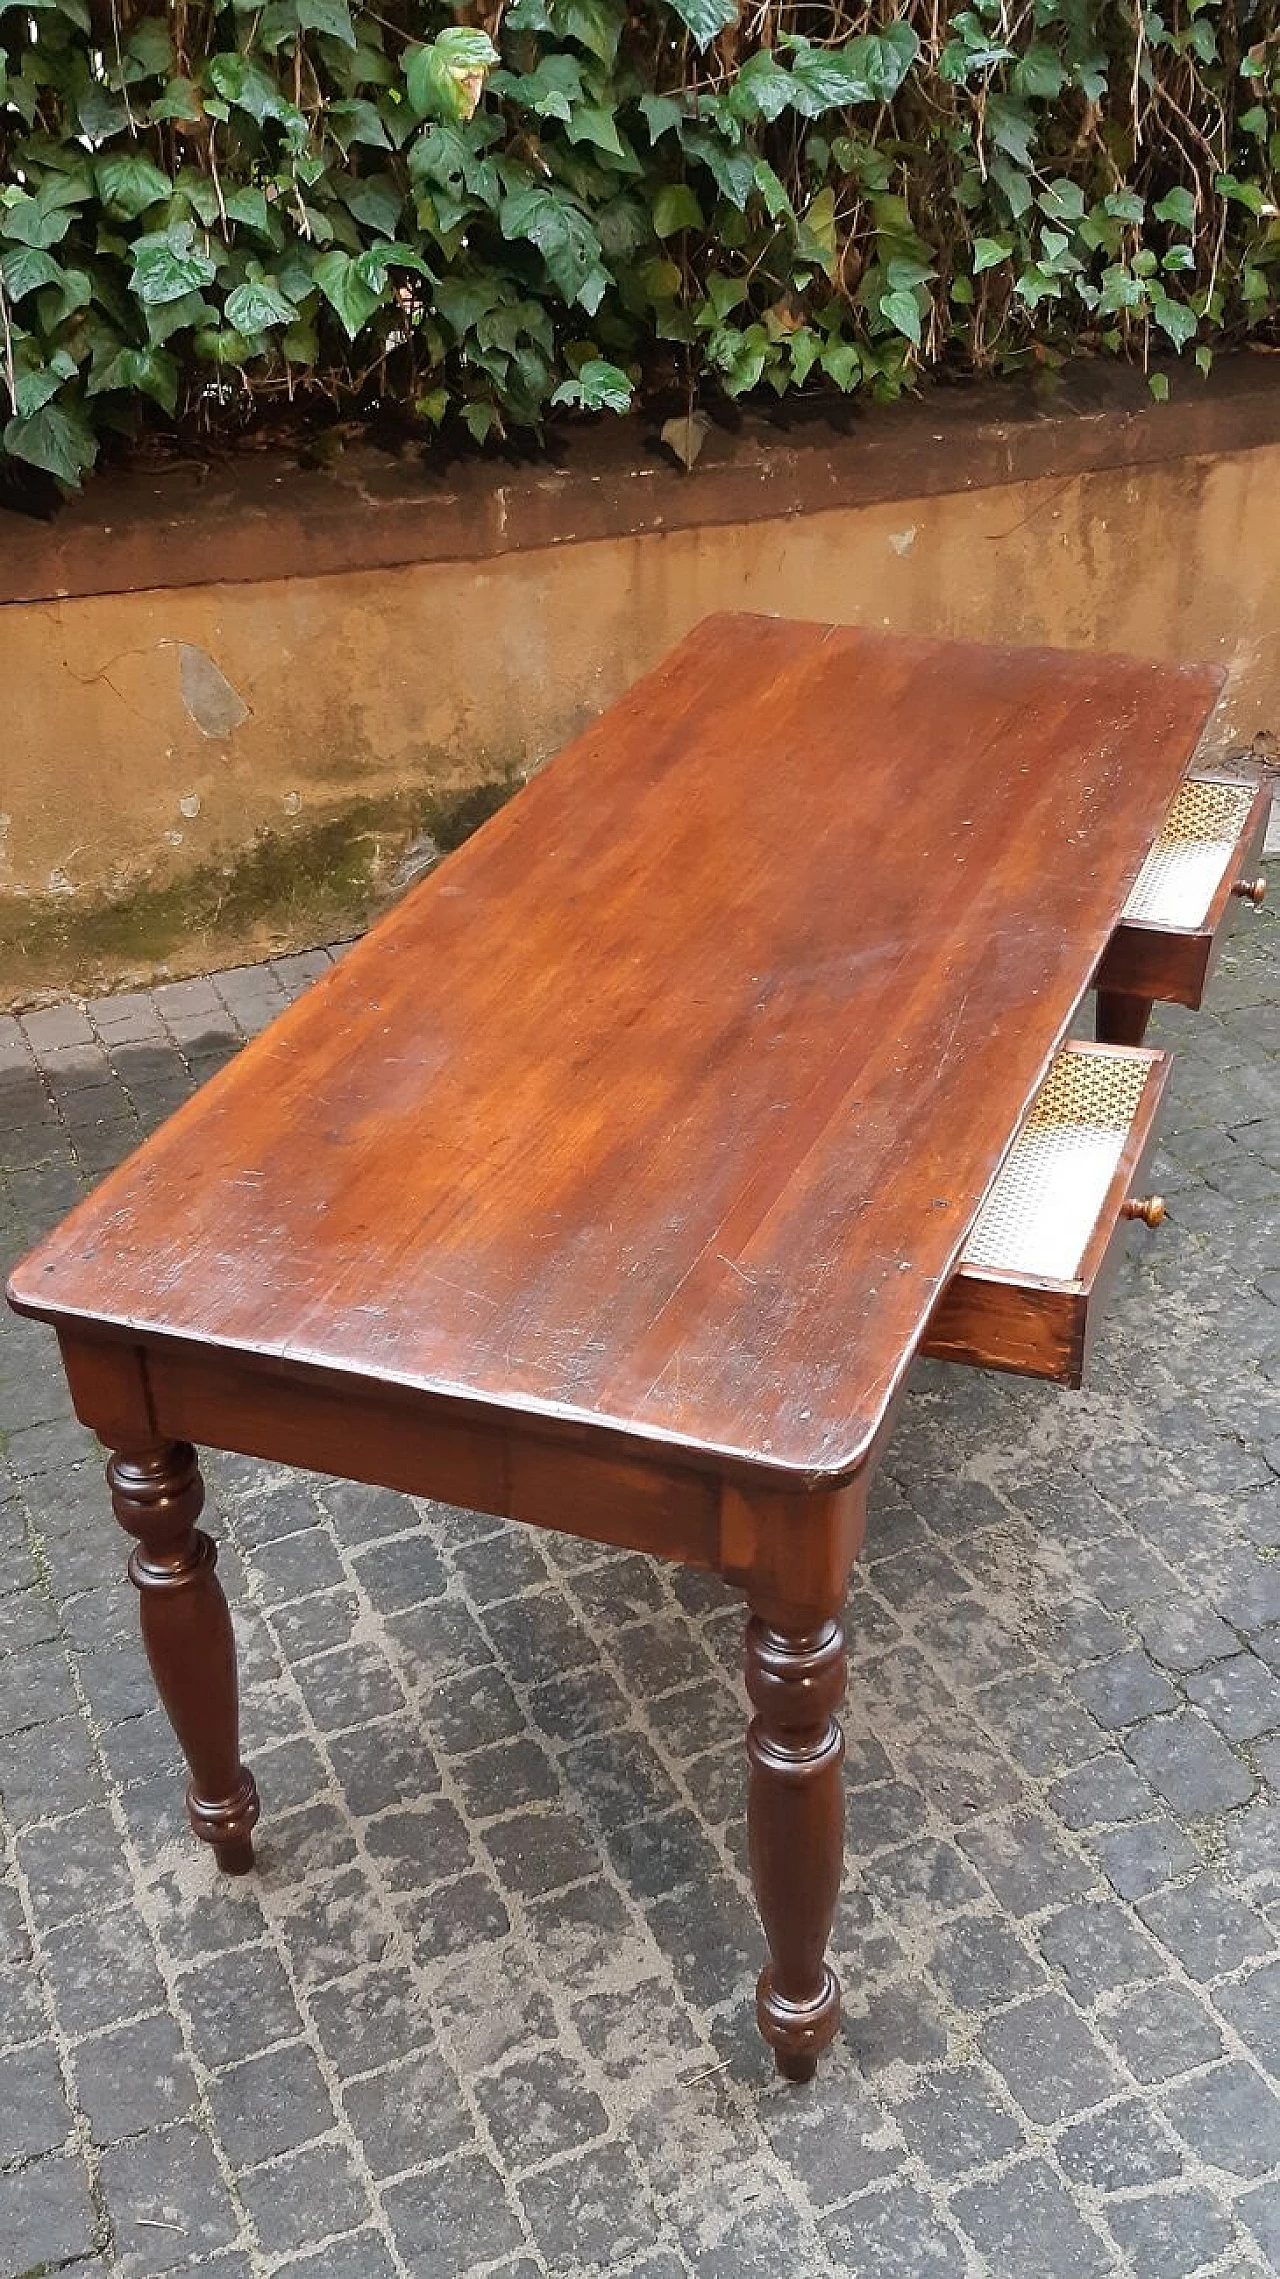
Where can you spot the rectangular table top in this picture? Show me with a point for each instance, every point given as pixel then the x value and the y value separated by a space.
pixel 665 1105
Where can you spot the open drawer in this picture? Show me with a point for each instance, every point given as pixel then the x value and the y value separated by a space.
pixel 1203 862
pixel 1039 1253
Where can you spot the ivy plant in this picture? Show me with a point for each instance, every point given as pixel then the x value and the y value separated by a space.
pixel 230 214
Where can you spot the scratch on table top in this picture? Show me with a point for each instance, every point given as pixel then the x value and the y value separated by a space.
pixel 956 1018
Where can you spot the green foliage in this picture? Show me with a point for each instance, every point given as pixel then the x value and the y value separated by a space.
pixel 229 212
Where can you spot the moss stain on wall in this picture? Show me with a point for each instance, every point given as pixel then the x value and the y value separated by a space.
pixel 320 882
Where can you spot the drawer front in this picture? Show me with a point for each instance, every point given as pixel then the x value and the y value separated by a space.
pixel 1041 1252
pixel 1205 861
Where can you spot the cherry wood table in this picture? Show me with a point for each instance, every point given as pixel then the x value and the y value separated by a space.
pixel 614 1180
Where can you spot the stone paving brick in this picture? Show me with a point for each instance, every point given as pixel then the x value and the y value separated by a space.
pixel 1251 2007
pixel 270 2104
pixel 1189 1764
pixel 132 2078
pixel 896 2234
pixel 1050 2061
pixel 1168 2235
pixel 1229 2117
pixel 1025 2221
pixel 487 2005
pixel 305 2197
pixel 46 2217
pixel 1137 1860
pixel 34 2115
pixel 1241 1696
pixel 1206 1927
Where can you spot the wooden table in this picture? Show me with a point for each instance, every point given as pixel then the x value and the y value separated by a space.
pixel 614 1180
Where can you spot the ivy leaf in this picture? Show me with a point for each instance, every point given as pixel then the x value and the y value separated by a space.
pixel 375 200
pixel 129 183
pixel 1177 206
pixel 563 236
pixel 331 16
pixel 37 384
pixel 762 89
pixel 551 90
pixel 39 221
pixel 152 371
pixel 246 86
pixel 148 51
pixel 705 18
pixel 481 420
pixel 685 435
pixel 446 80
pixel 1012 128
pixel 180 100
pixel 902 311
pixel 598 386
pixel 165 266
pixel 169 317
pixel 74 290
pixel 816 234
pixel 377 261
pixel 1120 291
pixel 25 268
pixel 841 362
pixel 358 121
pixel 885 58
pixel 1014 183
pixel 868 69
pixel 594 24
pixel 1246 194
pixel 676 208
pixel 54 438
pixel 347 291
pixel 1037 284
pixel 249 205
pixel 1063 201
pixel 989 252
pixel 733 171
pixel 772 190
pixel 1158 382
pixel 258 304
pixel 101 111
pixel 662 116
pixel 1175 319
pixel 1040 73
pixel 596 123
pixel 739 357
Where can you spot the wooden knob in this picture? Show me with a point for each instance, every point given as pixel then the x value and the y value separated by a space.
pixel 1149 1208
pixel 1251 890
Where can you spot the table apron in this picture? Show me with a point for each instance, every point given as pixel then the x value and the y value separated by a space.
pixel 785 1547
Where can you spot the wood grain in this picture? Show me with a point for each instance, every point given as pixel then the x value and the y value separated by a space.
pixel 665 1105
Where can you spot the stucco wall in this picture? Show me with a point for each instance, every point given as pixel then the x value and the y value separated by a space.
pixel 190 774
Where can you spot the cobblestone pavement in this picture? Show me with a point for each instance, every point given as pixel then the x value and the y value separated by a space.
pixel 487 2006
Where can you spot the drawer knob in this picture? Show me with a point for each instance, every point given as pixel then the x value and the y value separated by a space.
pixel 1149 1208
pixel 1251 890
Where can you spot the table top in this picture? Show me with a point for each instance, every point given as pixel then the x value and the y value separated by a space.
pixel 665 1105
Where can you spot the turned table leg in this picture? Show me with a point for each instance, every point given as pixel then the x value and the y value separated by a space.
pixel 795 1818
pixel 1121 1019
pixel 158 1494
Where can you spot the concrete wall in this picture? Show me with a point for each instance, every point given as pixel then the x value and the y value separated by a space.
pixel 191 774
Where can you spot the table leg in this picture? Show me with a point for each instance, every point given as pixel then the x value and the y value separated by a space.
pixel 158 1495
pixel 1121 1019
pixel 795 1817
